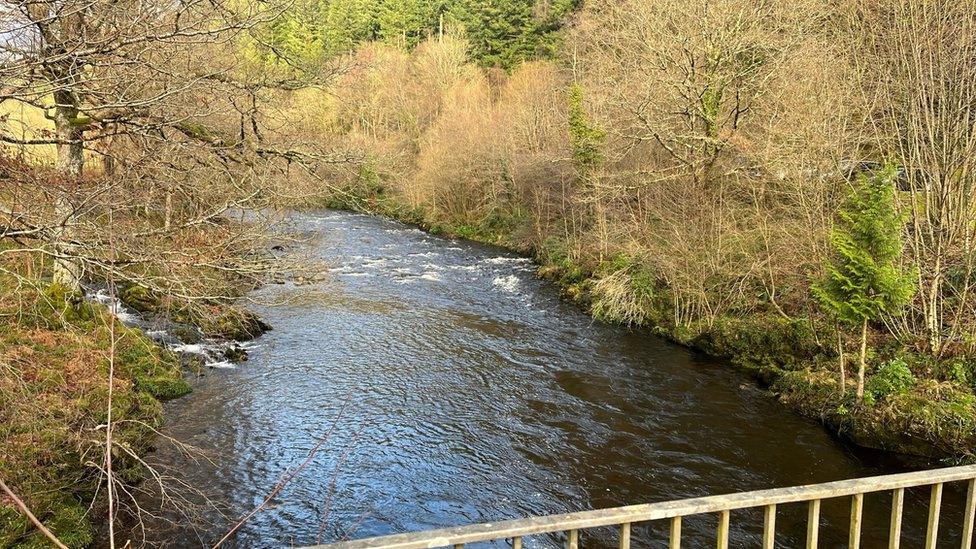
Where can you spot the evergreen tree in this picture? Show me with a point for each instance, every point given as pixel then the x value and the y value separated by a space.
pixel 501 32
pixel 406 23
pixel 864 280
pixel 586 139
pixel 345 23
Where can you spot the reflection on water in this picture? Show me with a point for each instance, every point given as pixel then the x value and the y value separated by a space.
pixel 463 390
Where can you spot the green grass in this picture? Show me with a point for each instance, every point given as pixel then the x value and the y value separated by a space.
pixel 54 366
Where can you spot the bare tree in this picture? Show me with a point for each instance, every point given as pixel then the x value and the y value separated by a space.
pixel 163 100
pixel 918 61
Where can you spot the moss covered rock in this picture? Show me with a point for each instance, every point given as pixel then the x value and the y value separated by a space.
pixel 58 306
pixel 139 298
pixel 234 324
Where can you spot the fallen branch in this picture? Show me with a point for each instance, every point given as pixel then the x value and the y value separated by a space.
pixel 30 516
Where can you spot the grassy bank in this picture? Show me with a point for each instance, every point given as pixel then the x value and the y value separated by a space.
pixel 913 405
pixel 54 353
pixel 55 350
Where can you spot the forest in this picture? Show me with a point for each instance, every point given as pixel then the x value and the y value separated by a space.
pixel 789 185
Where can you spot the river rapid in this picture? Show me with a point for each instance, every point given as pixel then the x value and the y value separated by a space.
pixel 443 383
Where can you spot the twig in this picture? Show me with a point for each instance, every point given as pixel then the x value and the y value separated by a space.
pixel 287 478
pixel 30 516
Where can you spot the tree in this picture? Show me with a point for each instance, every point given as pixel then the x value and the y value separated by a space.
pixel 406 23
pixel 587 140
pixel 168 83
pixel 864 280
pixel 922 95
pixel 501 32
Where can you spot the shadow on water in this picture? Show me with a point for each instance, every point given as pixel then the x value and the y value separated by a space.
pixel 476 394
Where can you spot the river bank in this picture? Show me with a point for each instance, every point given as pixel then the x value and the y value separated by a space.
pixel 57 350
pixel 932 417
pixel 444 383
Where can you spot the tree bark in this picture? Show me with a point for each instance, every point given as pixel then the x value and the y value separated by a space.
pixel 67 269
pixel 861 366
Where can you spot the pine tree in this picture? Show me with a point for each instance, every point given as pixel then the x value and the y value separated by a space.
pixel 864 280
pixel 406 23
pixel 345 23
pixel 501 32
pixel 586 139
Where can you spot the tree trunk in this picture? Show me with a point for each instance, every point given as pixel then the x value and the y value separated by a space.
pixel 168 210
pixel 861 366
pixel 67 270
pixel 932 316
pixel 843 364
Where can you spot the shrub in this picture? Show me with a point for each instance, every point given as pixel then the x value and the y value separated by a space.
pixel 892 378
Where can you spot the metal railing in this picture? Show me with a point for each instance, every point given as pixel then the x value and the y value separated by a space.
pixel 623 517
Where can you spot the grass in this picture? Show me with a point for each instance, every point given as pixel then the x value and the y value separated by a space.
pixel 53 405
pixel 28 122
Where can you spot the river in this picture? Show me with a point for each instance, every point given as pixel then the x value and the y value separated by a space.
pixel 445 384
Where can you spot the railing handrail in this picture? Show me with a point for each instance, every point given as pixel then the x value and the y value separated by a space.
pixel 655 511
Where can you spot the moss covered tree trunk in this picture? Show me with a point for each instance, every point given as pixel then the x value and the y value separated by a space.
pixel 67 268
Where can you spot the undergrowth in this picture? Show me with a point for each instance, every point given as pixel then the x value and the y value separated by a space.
pixel 54 365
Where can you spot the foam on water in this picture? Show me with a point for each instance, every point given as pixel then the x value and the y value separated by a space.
pixel 508 283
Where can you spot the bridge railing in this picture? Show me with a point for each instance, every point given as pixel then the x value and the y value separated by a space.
pixel 623 517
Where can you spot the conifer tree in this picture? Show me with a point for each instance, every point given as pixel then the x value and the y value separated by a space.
pixel 501 32
pixel 864 279
pixel 586 139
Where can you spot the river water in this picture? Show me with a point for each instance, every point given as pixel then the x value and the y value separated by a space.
pixel 444 384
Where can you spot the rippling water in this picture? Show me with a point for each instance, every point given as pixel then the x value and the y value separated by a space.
pixel 448 385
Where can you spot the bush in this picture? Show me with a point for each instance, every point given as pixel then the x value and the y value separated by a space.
pixel 892 378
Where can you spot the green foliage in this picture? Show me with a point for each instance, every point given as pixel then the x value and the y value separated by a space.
pixel 864 279
pixel 892 378
pixel 406 23
pixel 957 370
pixel 587 140
pixel 502 33
pixel 344 23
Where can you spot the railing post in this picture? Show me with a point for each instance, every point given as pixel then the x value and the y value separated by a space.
pixel 894 531
pixel 857 508
pixel 625 535
pixel 935 504
pixel 573 539
pixel 769 527
pixel 517 543
pixel 967 524
pixel 675 540
pixel 813 524
pixel 723 530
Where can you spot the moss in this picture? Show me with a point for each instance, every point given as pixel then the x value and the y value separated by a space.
pixel 784 343
pixel 234 324
pixel 928 419
pixel 139 298
pixel 58 306
pixel 163 387
pixel 186 333
pixel 55 395
pixel 65 517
